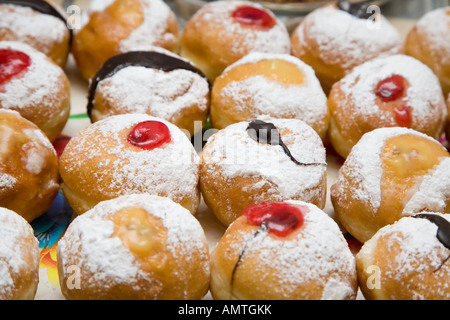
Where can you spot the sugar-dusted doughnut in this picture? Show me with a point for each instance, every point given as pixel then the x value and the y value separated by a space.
pixel 337 37
pixel 272 85
pixel 407 260
pixel 288 250
pixel 393 91
pixel 262 160
pixel 390 173
pixel 126 154
pixel 222 32
pixel 134 247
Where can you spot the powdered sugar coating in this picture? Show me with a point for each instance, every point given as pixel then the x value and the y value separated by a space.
pixel 13 250
pixel 236 154
pixel 306 101
pixel 363 167
pixel 29 25
pixel 275 39
pixel 153 29
pixel 121 168
pixel 345 40
pixel 419 252
pixel 38 86
pixel 434 26
pixel 424 94
pixel 90 241
pixel 162 94
pixel 318 252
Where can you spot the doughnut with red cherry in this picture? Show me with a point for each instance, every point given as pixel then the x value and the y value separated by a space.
pixel 272 85
pixel 134 247
pixel 287 250
pixel 34 86
pixel 38 23
pixel 222 32
pixel 390 173
pixel 157 83
pixel 262 160
pixel 19 257
pixel 339 36
pixel 120 26
pixel 127 154
pixel 407 260
pixel 385 92
pixel 29 177
pixel 429 41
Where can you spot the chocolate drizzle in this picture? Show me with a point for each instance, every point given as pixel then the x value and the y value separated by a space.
pixel 358 10
pixel 266 132
pixel 443 232
pixel 147 59
pixel 42 7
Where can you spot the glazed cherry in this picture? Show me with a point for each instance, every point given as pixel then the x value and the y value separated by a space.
pixel 149 135
pixel 280 218
pixel 252 16
pixel 12 63
pixel 403 116
pixel 391 88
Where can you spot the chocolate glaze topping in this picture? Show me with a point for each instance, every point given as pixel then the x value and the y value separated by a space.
pixel 356 9
pixel 147 59
pixel 266 132
pixel 42 7
pixel 443 232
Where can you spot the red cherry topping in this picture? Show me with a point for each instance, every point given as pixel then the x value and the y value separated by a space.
pixel 403 116
pixel 149 135
pixel 253 16
pixel 12 63
pixel 391 88
pixel 280 218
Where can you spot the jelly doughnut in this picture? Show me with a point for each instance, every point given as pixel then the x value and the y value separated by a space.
pixel 159 84
pixel 29 177
pixel 19 257
pixel 31 84
pixel 394 91
pixel 120 26
pixel 127 154
pixel 407 260
pixel 288 250
pixel 38 23
pixel 390 173
pixel 222 32
pixel 254 161
pixel 429 41
pixel 322 39
pixel 272 85
pixel 134 247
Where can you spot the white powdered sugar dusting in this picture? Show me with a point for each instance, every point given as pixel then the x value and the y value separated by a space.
pixel 434 26
pixel 434 191
pixel 275 40
pixel 171 170
pixel 162 94
pixel 357 39
pixel 318 253
pixel 237 154
pixel 419 251
pixel 13 229
pixel 424 94
pixel 91 238
pixel 307 101
pixel 156 14
pixel 27 23
pixel 29 89
pixel 363 166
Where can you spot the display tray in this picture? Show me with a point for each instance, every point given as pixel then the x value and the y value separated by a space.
pixel 51 226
